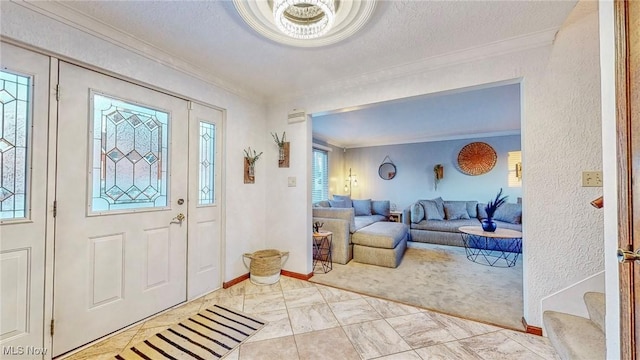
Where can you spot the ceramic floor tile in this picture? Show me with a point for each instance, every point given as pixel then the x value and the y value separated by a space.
pixel 113 344
pixel 302 297
pixel 175 315
pixel 283 348
pixel 234 355
pixel 498 346
pixel 144 334
pixel 388 308
pixel 251 288
pixel 407 355
pixel 278 325
pixel 353 311
pixel 449 351
pixel 289 283
pixel 310 318
pixel 420 330
pixel 375 338
pixel 256 303
pixel 326 344
pixel 538 344
pixel 105 356
pixel 462 328
pixel 231 302
pixel 331 294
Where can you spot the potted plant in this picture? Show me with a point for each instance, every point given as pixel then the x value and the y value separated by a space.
pixel 488 224
pixel 280 143
pixel 251 157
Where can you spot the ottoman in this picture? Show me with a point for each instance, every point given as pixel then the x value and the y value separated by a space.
pixel 381 243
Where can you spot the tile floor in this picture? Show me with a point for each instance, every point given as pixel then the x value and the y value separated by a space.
pixel 311 321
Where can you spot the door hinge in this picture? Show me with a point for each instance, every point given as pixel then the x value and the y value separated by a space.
pixel 57 92
pixel 55 208
pixel 52 326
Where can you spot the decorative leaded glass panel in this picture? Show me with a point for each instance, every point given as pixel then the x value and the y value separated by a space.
pixel 207 162
pixel 130 161
pixel 15 104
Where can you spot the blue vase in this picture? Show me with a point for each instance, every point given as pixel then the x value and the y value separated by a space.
pixel 489 225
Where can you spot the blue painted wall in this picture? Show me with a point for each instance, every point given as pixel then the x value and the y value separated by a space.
pixel 414 179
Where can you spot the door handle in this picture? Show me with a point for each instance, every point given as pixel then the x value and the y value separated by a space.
pixel 626 255
pixel 178 219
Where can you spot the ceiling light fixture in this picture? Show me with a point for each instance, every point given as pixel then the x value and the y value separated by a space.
pixel 304 19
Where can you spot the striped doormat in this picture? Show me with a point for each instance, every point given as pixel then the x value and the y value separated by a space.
pixel 208 335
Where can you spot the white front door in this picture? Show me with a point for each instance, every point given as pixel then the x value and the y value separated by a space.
pixel 24 101
pixel 205 199
pixel 121 249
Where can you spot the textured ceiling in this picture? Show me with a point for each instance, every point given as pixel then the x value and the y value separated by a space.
pixel 211 36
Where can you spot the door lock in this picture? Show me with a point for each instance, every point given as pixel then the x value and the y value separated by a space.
pixel 180 201
pixel 626 255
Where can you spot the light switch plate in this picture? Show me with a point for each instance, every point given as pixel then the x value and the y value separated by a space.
pixel 291 181
pixel 592 178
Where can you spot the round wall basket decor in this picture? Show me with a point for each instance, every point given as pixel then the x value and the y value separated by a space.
pixel 477 158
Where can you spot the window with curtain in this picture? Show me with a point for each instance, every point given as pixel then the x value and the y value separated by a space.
pixel 320 176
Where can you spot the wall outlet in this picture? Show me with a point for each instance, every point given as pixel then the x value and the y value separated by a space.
pixel 291 181
pixel 592 178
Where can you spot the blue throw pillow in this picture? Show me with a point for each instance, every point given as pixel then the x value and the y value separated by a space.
pixel 431 211
pixel 346 198
pixel 362 207
pixel 456 210
pixel 338 204
pixel 417 213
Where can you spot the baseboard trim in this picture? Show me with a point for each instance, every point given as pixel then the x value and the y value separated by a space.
pixel 296 275
pixel 232 282
pixel 529 329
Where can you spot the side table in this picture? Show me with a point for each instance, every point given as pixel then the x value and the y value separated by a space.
pixel 322 250
pixel 500 248
pixel 395 216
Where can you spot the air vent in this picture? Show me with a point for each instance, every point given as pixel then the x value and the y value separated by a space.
pixel 296 115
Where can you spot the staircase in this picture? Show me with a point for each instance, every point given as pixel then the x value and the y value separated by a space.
pixel 576 337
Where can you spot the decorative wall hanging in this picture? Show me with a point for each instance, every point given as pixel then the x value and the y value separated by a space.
pixel 387 169
pixel 283 149
pixel 250 158
pixel 477 158
pixel 438 174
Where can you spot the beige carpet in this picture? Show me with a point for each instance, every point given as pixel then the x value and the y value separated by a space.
pixel 439 278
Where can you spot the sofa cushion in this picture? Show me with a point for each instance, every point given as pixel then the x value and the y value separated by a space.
pixel 431 211
pixel 346 198
pixel 440 205
pixel 507 225
pixel 381 207
pixel 323 203
pixel 482 212
pixel 381 234
pixel 456 210
pixel 509 212
pixel 472 209
pixel 345 214
pixel 364 221
pixel 362 207
pixel 338 204
pixel 417 213
pixel 444 226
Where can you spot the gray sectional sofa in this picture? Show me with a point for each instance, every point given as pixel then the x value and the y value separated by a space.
pixel 363 224
pixel 437 221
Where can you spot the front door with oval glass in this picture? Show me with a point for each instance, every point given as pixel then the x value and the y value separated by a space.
pixel 122 166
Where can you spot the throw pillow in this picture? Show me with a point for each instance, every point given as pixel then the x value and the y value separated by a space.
pixel 380 207
pixel 362 207
pixel 431 211
pixel 472 209
pixel 511 213
pixel 440 205
pixel 338 204
pixel 346 198
pixel 482 213
pixel 417 213
pixel 323 203
pixel 456 210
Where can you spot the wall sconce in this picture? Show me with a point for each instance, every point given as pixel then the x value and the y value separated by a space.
pixel 438 174
pixel 350 182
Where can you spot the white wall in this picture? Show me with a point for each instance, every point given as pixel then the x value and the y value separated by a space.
pixel 245 124
pixel 415 179
pixel 560 138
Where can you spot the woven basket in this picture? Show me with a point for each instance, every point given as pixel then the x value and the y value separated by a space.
pixel 265 265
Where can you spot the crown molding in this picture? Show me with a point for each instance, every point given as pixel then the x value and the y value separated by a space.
pixel 62 13
pixel 489 50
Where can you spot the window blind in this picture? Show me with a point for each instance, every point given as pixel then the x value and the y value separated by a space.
pixel 320 176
